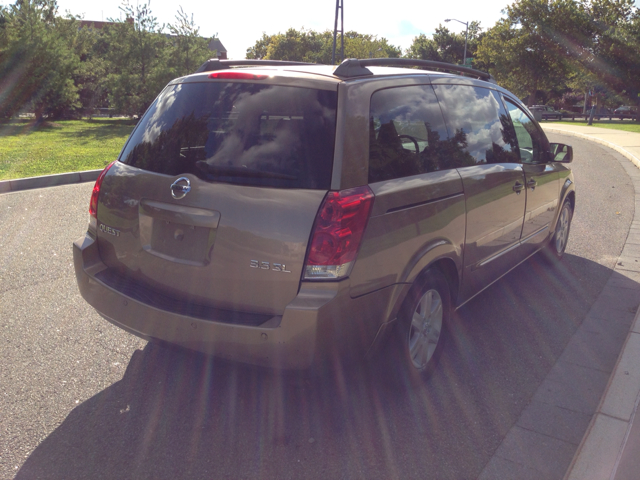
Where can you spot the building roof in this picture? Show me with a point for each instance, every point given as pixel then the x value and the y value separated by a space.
pixel 216 44
pixel 99 25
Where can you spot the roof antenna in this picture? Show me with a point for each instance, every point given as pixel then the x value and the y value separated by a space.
pixel 339 9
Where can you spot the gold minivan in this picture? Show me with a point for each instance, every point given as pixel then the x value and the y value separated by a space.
pixel 289 215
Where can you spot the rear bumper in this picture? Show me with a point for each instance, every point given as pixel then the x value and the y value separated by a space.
pixel 323 322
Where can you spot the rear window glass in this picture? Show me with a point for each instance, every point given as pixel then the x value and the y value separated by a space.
pixel 407 134
pixel 250 134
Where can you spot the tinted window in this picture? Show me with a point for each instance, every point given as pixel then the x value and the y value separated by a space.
pixel 476 118
pixel 531 142
pixel 408 135
pixel 239 132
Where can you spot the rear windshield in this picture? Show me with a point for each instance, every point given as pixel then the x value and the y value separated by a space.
pixel 243 133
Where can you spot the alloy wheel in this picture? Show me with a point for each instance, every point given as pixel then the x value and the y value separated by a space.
pixel 426 328
pixel 562 230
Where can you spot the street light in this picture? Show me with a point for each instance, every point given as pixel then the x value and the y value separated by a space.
pixel 466 36
pixel 371 53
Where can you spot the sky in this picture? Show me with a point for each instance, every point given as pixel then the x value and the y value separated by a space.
pixel 240 24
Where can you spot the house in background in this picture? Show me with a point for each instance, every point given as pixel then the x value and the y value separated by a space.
pixel 98 25
pixel 215 45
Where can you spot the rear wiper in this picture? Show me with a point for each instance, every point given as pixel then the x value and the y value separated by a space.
pixel 228 170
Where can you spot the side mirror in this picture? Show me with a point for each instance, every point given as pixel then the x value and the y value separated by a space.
pixel 561 152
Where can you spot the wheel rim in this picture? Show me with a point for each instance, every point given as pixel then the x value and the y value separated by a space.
pixel 426 327
pixel 562 230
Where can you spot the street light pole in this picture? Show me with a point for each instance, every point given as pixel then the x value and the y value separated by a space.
pixel 339 9
pixel 373 52
pixel 466 37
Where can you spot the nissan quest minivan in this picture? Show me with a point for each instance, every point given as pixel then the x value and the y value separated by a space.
pixel 286 215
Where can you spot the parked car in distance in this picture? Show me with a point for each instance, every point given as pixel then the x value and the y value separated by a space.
pixel 546 112
pixel 296 215
pixel 626 110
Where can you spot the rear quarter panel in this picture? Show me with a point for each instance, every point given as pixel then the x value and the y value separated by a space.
pixel 415 221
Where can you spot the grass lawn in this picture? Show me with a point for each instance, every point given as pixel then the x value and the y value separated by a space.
pixel 625 125
pixel 27 150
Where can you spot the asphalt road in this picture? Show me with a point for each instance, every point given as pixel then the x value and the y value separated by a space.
pixel 80 398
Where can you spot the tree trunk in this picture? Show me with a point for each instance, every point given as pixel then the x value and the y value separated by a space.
pixel 39 113
pixel 532 94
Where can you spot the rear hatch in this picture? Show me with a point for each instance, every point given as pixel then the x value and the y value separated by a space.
pixel 209 209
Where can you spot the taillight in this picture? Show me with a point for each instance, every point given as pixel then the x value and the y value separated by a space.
pixel 93 203
pixel 337 233
pixel 237 76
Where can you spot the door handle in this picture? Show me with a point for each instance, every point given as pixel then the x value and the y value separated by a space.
pixel 532 184
pixel 518 187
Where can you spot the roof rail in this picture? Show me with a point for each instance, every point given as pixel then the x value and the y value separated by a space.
pixel 215 64
pixel 352 67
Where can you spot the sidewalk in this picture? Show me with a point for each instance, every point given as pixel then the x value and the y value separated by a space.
pixel 610 449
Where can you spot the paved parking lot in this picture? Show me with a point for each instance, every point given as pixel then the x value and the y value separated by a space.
pixel 83 399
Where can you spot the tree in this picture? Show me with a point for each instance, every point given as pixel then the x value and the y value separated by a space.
pixel 316 47
pixel 529 50
pixel 544 47
pixel 359 45
pixel 92 47
pixel 57 68
pixel 612 67
pixel 302 46
pixel 259 50
pixel 136 75
pixel 445 46
pixel 37 60
pixel 186 50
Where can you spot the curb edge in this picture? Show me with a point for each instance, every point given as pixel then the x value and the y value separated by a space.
pixel 621 150
pixel 29 183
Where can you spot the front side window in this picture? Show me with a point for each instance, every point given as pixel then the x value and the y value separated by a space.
pixel 477 118
pixel 243 133
pixel 408 136
pixel 531 142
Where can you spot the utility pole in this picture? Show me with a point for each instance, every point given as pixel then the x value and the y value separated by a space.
pixel 340 10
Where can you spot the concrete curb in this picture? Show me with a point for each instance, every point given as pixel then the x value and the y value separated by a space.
pixel 18 184
pixel 599 454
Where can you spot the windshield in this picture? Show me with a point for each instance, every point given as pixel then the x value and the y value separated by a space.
pixel 242 133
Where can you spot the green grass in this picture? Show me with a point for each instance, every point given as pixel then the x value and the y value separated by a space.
pixel 625 125
pixel 28 150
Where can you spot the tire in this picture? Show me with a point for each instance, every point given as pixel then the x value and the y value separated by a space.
pixel 558 243
pixel 423 326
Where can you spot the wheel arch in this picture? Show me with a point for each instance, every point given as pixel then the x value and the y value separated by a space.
pixel 445 265
pixel 568 193
pixel 571 196
pixel 449 269
pixel 440 253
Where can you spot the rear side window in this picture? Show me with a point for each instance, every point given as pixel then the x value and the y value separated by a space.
pixel 407 134
pixel 244 133
pixel 476 117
